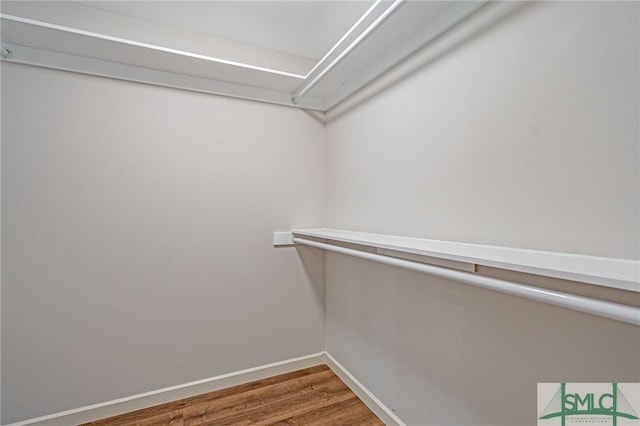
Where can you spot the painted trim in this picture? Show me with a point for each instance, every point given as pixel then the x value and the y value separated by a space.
pixel 148 399
pixel 382 411
pixel 173 393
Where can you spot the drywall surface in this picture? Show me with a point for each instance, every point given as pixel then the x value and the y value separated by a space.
pixel 438 352
pixel 523 134
pixel 137 238
pixel 519 131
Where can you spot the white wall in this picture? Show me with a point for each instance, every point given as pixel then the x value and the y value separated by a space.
pixel 521 133
pixel 524 135
pixel 136 246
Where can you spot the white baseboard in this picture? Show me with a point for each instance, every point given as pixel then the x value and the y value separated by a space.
pixel 161 396
pixel 374 404
pixel 173 393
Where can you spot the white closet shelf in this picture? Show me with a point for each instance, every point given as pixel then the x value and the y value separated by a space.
pixel 75 37
pixel 610 272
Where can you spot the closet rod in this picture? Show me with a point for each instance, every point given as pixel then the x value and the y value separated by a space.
pixel 615 311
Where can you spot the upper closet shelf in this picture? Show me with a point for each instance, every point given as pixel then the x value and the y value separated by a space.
pixel 610 272
pixel 75 36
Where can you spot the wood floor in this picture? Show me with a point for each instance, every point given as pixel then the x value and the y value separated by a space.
pixel 313 396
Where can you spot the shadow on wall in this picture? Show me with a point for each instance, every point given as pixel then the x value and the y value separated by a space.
pixel 314 267
pixel 482 20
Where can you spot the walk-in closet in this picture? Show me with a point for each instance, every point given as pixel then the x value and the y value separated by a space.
pixel 434 205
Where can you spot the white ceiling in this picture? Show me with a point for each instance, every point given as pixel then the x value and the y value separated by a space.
pixel 306 28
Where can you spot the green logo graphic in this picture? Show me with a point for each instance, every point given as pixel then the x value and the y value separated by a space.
pixel 565 404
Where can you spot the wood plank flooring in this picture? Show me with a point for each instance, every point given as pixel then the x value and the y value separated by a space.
pixel 313 396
